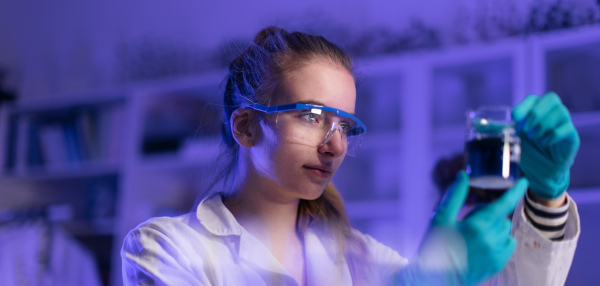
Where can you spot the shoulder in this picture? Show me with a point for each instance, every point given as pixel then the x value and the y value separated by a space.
pixel 380 254
pixel 166 250
pixel 164 231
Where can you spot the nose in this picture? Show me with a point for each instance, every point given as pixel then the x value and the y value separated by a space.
pixel 333 145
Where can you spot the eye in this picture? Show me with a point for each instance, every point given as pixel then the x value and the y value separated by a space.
pixel 309 117
pixel 345 127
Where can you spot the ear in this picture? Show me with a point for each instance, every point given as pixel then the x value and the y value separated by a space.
pixel 241 122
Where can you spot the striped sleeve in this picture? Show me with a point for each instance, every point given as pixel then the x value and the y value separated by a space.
pixel 550 222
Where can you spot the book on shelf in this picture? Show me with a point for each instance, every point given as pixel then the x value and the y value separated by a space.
pixel 4 130
pixel 59 140
pixel 110 134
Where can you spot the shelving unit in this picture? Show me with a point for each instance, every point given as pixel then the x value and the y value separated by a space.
pixel 165 179
pixel 412 104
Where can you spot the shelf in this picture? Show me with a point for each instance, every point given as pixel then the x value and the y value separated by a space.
pixel 586 119
pixel 80 171
pixel 585 196
pixel 169 162
pixel 89 228
pixel 58 102
pixel 567 38
pixel 193 154
pixel 191 82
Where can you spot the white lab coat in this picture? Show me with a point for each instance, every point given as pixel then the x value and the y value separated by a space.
pixel 210 247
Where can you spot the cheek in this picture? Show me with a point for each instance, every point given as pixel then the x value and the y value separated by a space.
pixel 272 156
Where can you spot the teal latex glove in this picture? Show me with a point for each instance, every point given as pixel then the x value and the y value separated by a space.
pixel 466 252
pixel 549 143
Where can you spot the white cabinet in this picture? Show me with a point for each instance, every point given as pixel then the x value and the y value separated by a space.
pixel 413 105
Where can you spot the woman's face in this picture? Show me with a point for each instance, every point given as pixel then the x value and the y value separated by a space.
pixel 299 170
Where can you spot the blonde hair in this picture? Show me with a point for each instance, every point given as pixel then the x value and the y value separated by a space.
pixel 329 214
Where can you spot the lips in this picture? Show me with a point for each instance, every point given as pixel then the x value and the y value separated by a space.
pixel 319 170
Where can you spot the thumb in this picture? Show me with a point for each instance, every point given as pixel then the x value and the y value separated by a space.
pixel 453 200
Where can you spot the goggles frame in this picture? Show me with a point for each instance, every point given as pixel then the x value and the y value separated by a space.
pixel 362 129
pixel 359 130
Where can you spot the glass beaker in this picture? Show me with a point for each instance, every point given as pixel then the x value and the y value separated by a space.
pixel 492 152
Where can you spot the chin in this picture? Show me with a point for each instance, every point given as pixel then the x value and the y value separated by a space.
pixel 313 195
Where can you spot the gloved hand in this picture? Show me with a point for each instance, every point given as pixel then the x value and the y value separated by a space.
pixel 549 143
pixel 468 252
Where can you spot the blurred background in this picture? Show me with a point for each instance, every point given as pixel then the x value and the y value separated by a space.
pixel 110 112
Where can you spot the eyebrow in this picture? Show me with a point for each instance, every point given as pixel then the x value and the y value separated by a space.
pixel 314 102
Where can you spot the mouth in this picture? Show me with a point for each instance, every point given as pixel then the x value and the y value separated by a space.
pixel 319 171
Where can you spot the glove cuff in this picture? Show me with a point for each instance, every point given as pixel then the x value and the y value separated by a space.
pixel 550 187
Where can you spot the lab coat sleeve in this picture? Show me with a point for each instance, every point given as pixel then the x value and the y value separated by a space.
pixel 538 260
pixel 150 256
pixel 384 261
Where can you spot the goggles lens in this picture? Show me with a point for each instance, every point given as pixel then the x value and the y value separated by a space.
pixel 317 125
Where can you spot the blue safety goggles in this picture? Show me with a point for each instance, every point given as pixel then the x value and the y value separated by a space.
pixel 315 125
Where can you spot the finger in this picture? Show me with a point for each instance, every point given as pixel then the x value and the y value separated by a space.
pixel 541 108
pixel 509 247
pixel 556 117
pixel 564 130
pixel 507 202
pixel 496 229
pixel 522 109
pixel 503 227
pixel 504 242
pixel 565 143
pixel 453 200
pixel 474 210
pixel 509 243
pixel 504 253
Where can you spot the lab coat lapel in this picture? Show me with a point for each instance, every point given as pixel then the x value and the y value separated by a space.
pixel 218 220
pixel 260 257
pixel 324 266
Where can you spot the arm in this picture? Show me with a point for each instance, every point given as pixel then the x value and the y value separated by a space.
pixel 150 256
pixel 546 223
pixel 538 260
pixel 551 203
pixel 466 252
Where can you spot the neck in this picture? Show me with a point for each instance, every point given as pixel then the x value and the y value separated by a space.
pixel 264 210
pixel 269 212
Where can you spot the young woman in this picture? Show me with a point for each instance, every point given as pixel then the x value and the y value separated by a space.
pixel 289 103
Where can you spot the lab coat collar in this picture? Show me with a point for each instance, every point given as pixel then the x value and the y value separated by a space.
pixel 325 266
pixel 216 218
